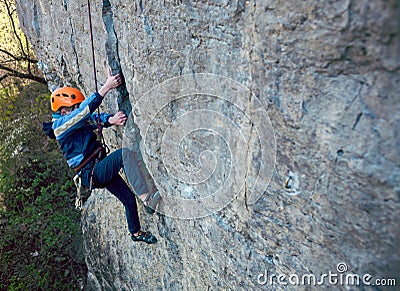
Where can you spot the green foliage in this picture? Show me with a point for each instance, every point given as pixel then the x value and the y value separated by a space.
pixel 39 227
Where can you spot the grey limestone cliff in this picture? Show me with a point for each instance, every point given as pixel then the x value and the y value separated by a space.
pixel 327 74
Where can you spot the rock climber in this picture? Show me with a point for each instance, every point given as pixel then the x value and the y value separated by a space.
pixel 72 126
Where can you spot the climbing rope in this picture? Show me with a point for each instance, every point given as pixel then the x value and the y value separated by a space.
pixel 99 125
pixel 91 42
pixel 98 152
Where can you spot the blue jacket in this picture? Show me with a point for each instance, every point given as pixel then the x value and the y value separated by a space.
pixel 74 131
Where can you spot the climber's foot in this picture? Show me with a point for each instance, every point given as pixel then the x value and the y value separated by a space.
pixel 147 237
pixel 150 201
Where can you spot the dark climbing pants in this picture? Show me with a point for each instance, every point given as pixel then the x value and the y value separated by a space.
pixel 106 175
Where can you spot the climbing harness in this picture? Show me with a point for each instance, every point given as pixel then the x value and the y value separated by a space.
pixel 96 155
pixel 98 152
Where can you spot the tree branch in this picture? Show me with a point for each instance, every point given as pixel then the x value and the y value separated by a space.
pixel 15 73
pixel 18 62
pixel 9 54
pixel 18 58
pixel 5 76
pixel 10 16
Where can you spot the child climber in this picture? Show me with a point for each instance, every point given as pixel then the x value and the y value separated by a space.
pixel 73 125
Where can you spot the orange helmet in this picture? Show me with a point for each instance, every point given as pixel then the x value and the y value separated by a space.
pixel 65 97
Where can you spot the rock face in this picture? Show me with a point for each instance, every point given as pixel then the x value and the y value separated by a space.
pixel 327 75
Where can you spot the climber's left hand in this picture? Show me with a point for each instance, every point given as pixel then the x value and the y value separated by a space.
pixel 113 81
pixel 118 119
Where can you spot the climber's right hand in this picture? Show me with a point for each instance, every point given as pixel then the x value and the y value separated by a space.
pixel 118 119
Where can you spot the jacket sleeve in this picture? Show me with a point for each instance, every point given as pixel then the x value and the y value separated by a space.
pixel 46 126
pixel 67 124
pixel 103 119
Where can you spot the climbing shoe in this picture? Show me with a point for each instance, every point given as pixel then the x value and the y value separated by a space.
pixel 147 237
pixel 151 201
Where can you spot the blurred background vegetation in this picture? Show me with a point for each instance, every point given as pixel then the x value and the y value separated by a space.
pixel 40 234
